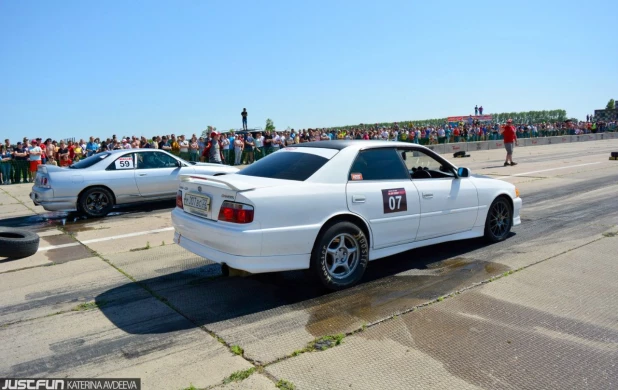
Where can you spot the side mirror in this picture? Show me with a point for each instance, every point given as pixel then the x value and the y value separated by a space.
pixel 463 172
pixel 179 163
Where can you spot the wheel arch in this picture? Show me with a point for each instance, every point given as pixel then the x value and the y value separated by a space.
pixel 96 186
pixel 346 217
pixel 507 197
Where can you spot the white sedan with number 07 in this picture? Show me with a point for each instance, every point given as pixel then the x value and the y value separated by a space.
pixel 333 206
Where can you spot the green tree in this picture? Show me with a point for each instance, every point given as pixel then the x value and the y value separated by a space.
pixel 270 126
pixel 611 105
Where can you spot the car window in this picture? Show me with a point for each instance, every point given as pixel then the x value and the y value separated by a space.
pixel 122 163
pixel 155 160
pixel 418 161
pixel 287 166
pixel 378 164
pixel 90 161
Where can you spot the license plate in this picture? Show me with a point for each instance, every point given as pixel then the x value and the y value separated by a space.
pixel 198 202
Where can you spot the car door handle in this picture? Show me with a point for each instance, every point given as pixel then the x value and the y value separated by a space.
pixel 143 174
pixel 358 199
pixel 427 195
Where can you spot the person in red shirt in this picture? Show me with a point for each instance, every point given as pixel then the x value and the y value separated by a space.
pixel 510 137
pixel 213 152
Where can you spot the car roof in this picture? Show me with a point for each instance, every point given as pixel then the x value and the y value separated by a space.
pixel 118 151
pixel 356 144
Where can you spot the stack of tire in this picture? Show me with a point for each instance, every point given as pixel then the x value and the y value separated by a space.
pixel 613 156
pixel 18 243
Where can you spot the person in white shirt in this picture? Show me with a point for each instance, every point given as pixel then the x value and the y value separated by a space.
pixel 276 142
pixel 238 148
pixel 441 135
pixel 225 145
pixel 184 148
pixel 259 146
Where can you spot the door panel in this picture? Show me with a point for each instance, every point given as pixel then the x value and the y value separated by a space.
pixel 448 206
pixel 157 175
pixel 392 209
pixel 379 189
pixel 120 175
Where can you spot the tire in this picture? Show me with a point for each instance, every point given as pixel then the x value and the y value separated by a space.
pixel 96 202
pixel 614 154
pixel 499 220
pixel 335 244
pixel 18 243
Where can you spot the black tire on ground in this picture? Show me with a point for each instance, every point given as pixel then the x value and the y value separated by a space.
pixel 614 154
pixel 499 220
pixel 18 243
pixel 96 202
pixel 340 256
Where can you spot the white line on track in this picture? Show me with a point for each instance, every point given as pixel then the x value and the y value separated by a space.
pixel 86 242
pixel 547 170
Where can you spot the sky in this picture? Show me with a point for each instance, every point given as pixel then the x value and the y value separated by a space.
pixel 80 68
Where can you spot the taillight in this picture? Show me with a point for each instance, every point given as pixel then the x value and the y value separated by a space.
pixel 43 182
pixel 235 212
pixel 179 199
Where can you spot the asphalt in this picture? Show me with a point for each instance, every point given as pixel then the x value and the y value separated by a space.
pixel 114 297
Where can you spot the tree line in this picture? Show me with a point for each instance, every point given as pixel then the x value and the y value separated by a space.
pixel 527 117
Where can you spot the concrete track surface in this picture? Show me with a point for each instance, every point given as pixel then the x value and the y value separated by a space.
pixel 115 298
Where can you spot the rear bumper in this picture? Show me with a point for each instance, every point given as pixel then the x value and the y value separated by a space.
pixel 253 264
pixel 45 197
pixel 239 246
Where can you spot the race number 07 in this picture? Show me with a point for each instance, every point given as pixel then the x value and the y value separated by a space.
pixel 394 200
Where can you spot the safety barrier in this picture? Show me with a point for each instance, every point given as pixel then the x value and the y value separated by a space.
pixel 499 144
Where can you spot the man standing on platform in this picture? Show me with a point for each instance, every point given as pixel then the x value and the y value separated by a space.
pixel 244 118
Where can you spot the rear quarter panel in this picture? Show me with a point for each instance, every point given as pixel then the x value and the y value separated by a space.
pixel 291 216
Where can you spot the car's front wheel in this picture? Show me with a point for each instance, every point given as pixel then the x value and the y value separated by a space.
pixel 96 202
pixel 499 220
pixel 340 256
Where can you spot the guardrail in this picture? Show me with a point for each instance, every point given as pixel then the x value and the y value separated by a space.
pixel 499 144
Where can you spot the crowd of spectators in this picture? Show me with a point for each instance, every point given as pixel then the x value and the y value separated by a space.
pixel 19 162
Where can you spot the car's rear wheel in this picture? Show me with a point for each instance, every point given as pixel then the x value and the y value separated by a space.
pixel 499 220
pixel 96 202
pixel 340 256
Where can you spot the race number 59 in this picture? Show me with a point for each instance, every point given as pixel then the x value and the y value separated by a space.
pixel 124 163
pixel 394 200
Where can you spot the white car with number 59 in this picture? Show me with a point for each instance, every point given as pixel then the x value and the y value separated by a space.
pixel 96 184
pixel 333 206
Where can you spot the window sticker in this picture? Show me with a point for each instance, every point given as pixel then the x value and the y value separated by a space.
pixel 357 176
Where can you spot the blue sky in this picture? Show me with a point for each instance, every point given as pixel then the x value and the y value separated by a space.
pixel 80 68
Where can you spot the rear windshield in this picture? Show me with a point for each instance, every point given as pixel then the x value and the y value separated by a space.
pixel 286 165
pixel 90 161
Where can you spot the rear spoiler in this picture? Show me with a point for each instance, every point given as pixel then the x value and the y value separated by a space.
pixel 45 168
pixel 217 179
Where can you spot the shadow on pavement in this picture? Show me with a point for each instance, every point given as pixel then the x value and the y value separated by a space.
pixel 390 285
pixel 61 218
